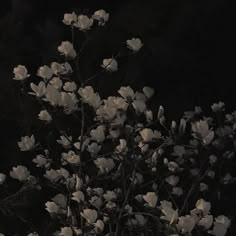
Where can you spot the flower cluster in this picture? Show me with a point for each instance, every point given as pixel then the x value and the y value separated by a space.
pixel 131 171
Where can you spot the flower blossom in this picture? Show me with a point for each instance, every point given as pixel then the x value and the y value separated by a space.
pixel 98 134
pixel 66 48
pixel 110 64
pixel 45 72
pixel 71 157
pixel 83 22
pixel 27 143
pixel 78 196
pixel 20 173
pixel 45 116
pixel 89 96
pixel 69 18
pixel 134 44
pixel 104 164
pixel 20 72
pixel 148 135
pixel 38 90
pixel 126 92
pixel 90 215
pixel 52 207
pixel 201 129
pixel 151 199
pixel 101 16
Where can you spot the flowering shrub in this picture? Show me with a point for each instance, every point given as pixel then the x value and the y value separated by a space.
pixel 126 170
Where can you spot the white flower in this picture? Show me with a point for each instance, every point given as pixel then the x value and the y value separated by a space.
pixel 149 115
pixel 40 160
pixel 160 113
pixel 20 72
pixel 45 72
pixel 151 199
pixel 148 91
pixel 71 157
pixel 78 196
pixel 203 205
pixel 66 231
pixel 106 112
pixel 139 105
pixel 53 96
pixel 38 90
pixel 60 199
pixel 69 18
pixel 98 134
pixel 170 214
pixel 110 64
pixel 116 102
pixel 177 191
pixel 65 141
pixel 2 178
pixel 144 147
pixel 94 149
pixel 147 134
pixel 66 48
pixel 45 116
pixel 27 143
pixel 52 175
pixel 69 102
pixel 109 195
pixel 78 183
pixel 85 144
pixel 89 96
pixel 140 96
pixel 20 173
pixel 104 164
pixel 96 201
pixel 90 215
pixel 221 226
pixel 206 221
pixel 122 146
pixel 182 125
pixel 101 16
pixel 186 224
pixel 84 22
pixel 70 86
pixel 99 226
pixel 52 207
pixel 57 68
pixel 201 129
pixel 134 44
pixel 126 92
pixel 56 82
pixel 172 180
pixel 217 107
pixel 63 172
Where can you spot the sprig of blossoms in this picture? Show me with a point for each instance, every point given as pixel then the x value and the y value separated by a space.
pixel 129 169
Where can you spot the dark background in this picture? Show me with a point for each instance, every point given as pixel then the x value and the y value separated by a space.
pixel 188 54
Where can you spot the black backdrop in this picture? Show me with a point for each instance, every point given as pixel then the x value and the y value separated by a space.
pixel 188 57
